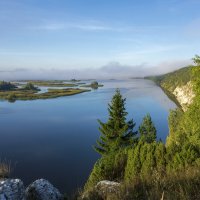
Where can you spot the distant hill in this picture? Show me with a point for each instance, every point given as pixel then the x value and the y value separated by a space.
pixel 171 80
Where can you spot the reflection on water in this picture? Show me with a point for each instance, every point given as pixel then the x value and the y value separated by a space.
pixel 53 138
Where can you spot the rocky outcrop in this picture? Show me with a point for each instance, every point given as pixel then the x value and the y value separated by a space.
pixel 13 189
pixel 42 190
pixel 184 95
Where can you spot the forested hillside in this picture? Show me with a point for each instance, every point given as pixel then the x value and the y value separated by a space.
pixel 173 79
pixel 145 167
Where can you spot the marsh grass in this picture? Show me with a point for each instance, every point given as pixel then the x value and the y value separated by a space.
pixel 52 84
pixel 32 95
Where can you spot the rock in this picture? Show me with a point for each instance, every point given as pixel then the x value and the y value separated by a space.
pixel 106 188
pixel 41 189
pixel 107 185
pixel 184 95
pixel 11 189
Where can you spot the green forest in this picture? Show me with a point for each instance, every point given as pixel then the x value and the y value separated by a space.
pixel 145 167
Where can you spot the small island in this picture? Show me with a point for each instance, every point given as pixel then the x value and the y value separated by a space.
pixel 52 83
pixel 93 85
pixel 10 92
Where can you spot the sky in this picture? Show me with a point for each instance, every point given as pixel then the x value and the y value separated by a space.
pixel 60 39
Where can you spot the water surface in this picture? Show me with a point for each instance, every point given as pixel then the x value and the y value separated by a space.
pixel 53 138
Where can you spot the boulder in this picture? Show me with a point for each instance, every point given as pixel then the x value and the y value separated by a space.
pixel 42 189
pixel 106 190
pixel 107 187
pixel 11 189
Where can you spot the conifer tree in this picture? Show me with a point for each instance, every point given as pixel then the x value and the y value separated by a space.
pixel 147 129
pixel 196 60
pixel 116 132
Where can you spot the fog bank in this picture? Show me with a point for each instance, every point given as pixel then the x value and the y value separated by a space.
pixel 111 70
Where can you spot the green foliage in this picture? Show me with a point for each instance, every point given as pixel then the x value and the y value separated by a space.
pixel 109 167
pixel 94 85
pixel 182 157
pixel 144 159
pixel 184 126
pixel 6 86
pixel 116 133
pixel 171 80
pixel 30 86
pixel 196 79
pixel 196 60
pixel 133 163
pixel 147 129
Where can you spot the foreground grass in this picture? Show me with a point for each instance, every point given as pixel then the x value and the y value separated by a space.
pixel 19 94
pixel 182 185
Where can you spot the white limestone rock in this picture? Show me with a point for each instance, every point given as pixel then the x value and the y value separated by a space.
pixel 11 189
pixel 42 189
pixel 184 95
pixel 103 190
pixel 107 187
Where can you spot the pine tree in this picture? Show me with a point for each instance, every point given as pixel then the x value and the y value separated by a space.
pixel 147 129
pixel 196 60
pixel 116 132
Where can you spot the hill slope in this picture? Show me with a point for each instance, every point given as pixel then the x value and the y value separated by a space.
pixel 184 86
pixel 177 85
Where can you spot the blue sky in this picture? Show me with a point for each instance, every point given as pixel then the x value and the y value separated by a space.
pixel 75 36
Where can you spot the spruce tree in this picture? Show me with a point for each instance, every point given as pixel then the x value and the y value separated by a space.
pixel 147 129
pixel 116 133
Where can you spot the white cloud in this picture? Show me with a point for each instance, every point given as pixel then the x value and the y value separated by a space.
pixel 84 26
pixel 94 25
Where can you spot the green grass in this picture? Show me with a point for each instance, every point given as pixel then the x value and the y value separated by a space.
pixel 181 185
